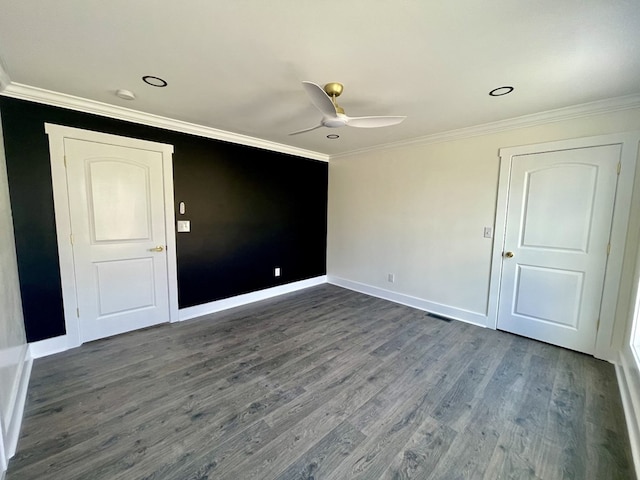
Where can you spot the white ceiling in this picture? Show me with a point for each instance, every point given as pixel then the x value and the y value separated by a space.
pixel 237 65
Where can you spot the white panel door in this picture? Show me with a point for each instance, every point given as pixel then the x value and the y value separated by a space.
pixel 559 219
pixel 116 207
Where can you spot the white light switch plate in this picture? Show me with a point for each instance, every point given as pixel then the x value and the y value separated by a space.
pixel 184 225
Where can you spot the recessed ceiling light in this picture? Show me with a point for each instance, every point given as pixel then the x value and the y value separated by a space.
pixel 154 81
pixel 125 94
pixel 333 136
pixel 498 92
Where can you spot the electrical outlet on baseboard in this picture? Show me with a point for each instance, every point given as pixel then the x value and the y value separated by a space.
pixel 276 272
pixel 391 278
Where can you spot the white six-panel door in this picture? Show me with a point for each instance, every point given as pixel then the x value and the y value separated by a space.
pixel 114 216
pixel 558 227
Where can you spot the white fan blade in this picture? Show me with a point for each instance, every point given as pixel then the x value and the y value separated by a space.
pixel 373 122
pixel 320 99
pixel 306 130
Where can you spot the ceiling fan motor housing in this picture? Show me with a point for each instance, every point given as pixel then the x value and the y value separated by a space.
pixel 338 121
pixel 333 89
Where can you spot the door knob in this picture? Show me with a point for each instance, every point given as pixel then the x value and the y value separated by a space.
pixel 159 248
pixel 508 254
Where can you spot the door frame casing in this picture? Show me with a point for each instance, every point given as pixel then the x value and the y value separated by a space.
pixel 610 322
pixel 57 135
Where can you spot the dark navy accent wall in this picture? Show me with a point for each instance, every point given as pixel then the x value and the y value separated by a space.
pixel 250 210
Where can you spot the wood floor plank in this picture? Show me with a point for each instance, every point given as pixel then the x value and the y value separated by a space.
pixel 470 451
pixel 321 383
pixel 456 406
pixel 608 457
pixel 523 454
pixel 534 407
pixel 372 457
pixel 566 415
pixel 323 457
pixel 422 452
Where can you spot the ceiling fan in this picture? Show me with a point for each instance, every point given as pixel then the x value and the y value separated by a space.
pixel 333 116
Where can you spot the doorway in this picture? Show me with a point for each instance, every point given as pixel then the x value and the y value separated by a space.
pixel 561 224
pixel 113 200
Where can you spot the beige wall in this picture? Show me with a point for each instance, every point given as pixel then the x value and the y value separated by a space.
pixel 419 211
pixel 12 336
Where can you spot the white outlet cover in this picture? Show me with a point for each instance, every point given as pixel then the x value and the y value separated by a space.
pixel 184 225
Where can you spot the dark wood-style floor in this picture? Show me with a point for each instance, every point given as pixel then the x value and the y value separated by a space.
pixel 321 384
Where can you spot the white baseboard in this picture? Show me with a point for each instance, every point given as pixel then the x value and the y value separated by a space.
pixel 415 302
pixel 629 385
pixel 3 460
pixel 14 421
pixel 239 300
pixel 50 346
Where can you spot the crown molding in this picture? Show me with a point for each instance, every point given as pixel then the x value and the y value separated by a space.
pixel 48 97
pixel 56 99
pixel 598 107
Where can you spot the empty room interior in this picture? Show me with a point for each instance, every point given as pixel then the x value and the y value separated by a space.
pixel 342 240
